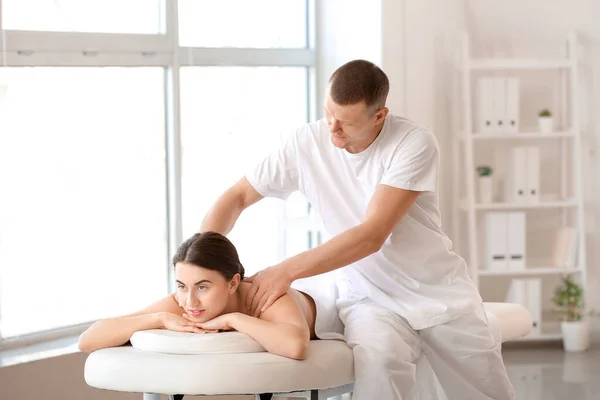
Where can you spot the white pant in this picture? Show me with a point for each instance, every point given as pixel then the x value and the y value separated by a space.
pixel 463 354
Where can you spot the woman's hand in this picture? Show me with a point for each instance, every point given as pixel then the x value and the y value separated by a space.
pixel 221 323
pixel 174 322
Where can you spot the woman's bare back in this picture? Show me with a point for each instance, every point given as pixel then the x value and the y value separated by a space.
pixel 305 303
pixel 308 307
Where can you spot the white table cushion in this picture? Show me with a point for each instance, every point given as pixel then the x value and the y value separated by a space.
pixel 514 320
pixel 165 341
pixel 329 364
pixel 152 368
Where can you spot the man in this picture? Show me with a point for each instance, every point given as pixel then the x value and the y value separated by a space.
pixel 372 177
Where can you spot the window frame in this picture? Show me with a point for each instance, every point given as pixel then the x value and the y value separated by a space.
pixel 79 49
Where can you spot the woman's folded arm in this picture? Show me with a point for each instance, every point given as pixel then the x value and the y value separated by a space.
pixel 282 329
pixel 112 332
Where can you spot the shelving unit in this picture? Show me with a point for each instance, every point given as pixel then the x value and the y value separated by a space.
pixel 521 136
pixel 465 206
pixel 528 272
pixel 467 211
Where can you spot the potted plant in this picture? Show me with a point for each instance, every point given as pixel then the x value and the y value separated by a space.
pixel 568 297
pixel 545 121
pixel 486 186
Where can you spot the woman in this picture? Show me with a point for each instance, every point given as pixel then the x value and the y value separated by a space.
pixel 209 298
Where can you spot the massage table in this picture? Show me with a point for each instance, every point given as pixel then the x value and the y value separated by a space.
pixel 230 363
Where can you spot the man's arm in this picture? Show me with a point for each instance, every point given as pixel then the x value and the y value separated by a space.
pixel 224 213
pixel 386 208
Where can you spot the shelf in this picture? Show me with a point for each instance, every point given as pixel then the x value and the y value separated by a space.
pixel 540 337
pixel 531 271
pixel 517 206
pixel 474 144
pixel 520 135
pixel 518 63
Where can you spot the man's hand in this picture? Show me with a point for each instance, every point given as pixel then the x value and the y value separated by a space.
pixel 267 286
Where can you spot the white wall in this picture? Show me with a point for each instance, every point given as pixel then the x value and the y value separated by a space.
pixel 431 31
pixel 408 40
pixel 358 29
pixel 347 30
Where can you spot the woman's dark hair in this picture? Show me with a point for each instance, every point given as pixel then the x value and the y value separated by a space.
pixel 212 251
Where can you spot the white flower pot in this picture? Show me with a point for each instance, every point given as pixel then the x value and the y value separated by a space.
pixel 486 189
pixel 546 125
pixel 576 335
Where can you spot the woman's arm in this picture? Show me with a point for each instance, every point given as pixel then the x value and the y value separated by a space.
pixel 282 329
pixel 112 332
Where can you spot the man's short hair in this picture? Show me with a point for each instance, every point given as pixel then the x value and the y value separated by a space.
pixel 357 81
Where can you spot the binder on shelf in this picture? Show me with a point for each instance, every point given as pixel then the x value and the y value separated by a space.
pixel 532 174
pixel 515 183
pixel 485 105
pixel 516 241
pixel 517 292
pixel 512 104
pixel 505 241
pixel 496 245
pixel 527 292
pixel 534 299
pixel 499 90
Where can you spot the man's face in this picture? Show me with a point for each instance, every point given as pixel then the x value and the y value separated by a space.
pixel 353 127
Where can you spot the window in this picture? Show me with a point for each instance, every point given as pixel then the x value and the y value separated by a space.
pixel 230 117
pixel 243 23
pixel 82 211
pixel 115 140
pixel 303 228
pixel 108 16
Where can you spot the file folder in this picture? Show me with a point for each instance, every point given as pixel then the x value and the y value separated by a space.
pixel 516 241
pixel 496 245
pixel 485 105
pixel 533 174
pixel 512 104
pixel 499 88
pixel 515 184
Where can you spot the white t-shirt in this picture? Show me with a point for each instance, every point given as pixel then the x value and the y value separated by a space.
pixel 416 273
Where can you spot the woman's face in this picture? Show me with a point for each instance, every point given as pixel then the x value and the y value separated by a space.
pixel 201 292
